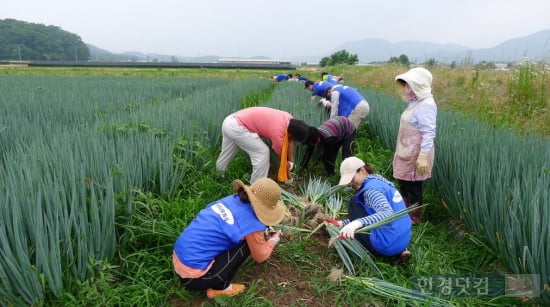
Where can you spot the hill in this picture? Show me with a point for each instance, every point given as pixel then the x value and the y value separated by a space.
pixel 376 50
pixel 535 47
pixel 102 55
pixel 98 54
pixel 30 41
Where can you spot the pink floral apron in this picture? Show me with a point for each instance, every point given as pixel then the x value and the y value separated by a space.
pixel 409 139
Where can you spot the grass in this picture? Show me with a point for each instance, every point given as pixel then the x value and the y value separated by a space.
pixel 234 74
pixel 494 96
pixel 141 273
pixel 517 98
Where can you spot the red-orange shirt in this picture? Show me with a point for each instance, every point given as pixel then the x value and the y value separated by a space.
pixel 260 250
pixel 267 122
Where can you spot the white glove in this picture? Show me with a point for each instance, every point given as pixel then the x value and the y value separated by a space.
pixel 290 165
pixel 276 237
pixel 289 181
pixel 348 232
pixel 324 103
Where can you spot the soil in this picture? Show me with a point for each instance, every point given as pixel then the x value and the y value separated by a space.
pixel 283 283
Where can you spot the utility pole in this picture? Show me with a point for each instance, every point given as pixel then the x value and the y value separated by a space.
pixel 19 49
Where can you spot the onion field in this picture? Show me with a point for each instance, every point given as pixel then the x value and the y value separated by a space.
pixel 79 154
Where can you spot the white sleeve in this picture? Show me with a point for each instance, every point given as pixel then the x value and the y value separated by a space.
pixel 334 100
pixel 424 118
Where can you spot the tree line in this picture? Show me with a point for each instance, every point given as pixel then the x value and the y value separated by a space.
pixel 24 41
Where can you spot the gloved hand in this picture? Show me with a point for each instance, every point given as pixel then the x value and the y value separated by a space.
pixel 325 103
pixel 333 222
pixel 289 181
pixel 290 165
pixel 276 237
pixel 348 232
pixel 422 163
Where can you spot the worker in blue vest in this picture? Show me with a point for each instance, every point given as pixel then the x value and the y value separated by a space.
pixel 347 101
pixel 376 199
pixel 319 89
pixel 325 76
pixel 300 78
pixel 227 232
pixel 281 77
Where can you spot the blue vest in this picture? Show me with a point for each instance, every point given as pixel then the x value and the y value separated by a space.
pixel 349 99
pixel 392 238
pixel 320 88
pixel 330 78
pixel 282 77
pixel 217 228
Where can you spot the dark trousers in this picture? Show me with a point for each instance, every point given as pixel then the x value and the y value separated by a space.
pixel 411 191
pixel 412 194
pixel 356 211
pixel 331 146
pixel 222 271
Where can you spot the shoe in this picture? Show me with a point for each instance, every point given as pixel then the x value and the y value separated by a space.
pixel 404 257
pixel 233 289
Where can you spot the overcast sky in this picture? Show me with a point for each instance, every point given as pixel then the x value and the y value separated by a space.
pixel 280 29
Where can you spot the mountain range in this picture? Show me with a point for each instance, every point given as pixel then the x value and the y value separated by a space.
pixel 536 47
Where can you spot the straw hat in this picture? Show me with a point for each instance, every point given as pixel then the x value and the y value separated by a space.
pixel 264 197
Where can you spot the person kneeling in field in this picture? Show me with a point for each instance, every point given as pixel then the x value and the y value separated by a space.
pixel 376 199
pixel 216 243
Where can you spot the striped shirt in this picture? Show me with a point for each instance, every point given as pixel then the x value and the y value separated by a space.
pixel 377 201
pixel 338 126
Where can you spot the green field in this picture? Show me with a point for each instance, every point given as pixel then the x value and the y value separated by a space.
pixel 103 168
